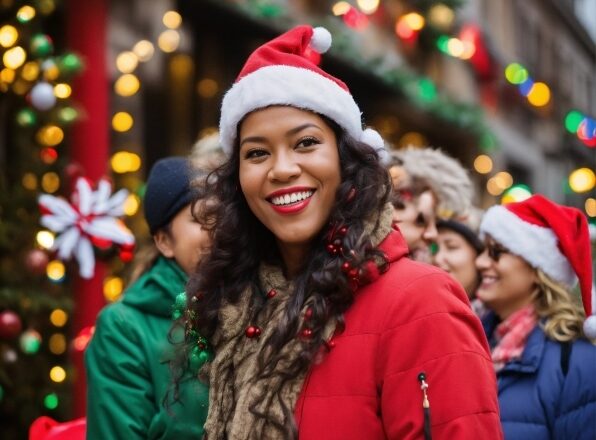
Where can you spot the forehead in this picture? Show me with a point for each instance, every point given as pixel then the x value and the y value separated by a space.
pixel 426 201
pixel 277 118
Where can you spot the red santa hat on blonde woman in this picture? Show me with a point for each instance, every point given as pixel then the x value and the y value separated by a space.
pixel 284 72
pixel 550 237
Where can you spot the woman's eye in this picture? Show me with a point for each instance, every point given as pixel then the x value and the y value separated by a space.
pixel 308 142
pixel 254 154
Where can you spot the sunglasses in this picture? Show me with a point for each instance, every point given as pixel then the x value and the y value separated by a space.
pixel 495 251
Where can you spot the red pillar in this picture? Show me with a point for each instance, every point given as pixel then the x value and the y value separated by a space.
pixel 86 36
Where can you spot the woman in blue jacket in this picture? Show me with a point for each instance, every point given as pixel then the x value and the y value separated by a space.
pixel 541 349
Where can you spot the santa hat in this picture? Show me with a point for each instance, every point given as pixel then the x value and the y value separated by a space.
pixel 285 71
pixel 550 237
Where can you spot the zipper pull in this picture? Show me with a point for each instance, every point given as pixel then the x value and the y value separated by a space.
pixel 425 405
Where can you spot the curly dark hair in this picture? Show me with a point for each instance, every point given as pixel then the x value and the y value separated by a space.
pixel 241 243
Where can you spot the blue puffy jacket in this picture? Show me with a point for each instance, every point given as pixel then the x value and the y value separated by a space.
pixel 540 400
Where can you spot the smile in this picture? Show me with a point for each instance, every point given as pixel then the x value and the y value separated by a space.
pixel 288 199
pixel 291 200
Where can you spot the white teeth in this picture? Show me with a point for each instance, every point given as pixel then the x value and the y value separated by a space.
pixel 286 199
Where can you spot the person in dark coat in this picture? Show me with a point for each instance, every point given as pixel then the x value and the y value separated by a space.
pixel 128 376
pixel 542 349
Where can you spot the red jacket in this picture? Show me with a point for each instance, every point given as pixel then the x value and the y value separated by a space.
pixel 414 318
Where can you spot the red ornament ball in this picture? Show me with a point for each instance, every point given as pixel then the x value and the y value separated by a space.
pixel 36 261
pixel 10 325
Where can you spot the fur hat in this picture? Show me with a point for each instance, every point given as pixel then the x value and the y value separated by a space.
pixel 550 237
pixel 285 71
pixel 445 177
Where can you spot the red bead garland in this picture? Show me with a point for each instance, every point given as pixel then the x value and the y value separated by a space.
pixel 252 331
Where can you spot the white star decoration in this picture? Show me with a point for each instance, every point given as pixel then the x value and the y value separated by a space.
pixel 92 216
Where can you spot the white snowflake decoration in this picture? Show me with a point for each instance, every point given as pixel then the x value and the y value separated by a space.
pixel 91 215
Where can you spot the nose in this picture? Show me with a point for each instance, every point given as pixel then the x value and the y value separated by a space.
pixel 483 261
pixel 439 258
pixel 430 234
pixel 284 167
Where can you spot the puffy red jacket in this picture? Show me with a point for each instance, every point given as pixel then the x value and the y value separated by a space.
pixel 413 318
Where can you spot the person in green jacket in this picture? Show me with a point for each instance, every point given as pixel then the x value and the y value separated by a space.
pixel 129 382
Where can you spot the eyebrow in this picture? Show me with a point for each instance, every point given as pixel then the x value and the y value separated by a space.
pixel 288 133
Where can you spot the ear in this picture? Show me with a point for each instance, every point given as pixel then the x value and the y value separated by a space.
pixel 164 243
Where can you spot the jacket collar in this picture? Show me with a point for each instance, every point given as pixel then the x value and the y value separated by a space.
pixel 529 362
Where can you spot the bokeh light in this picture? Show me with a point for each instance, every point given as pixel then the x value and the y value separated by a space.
pixel 57 374
pixel 493 188
pixel 58 318
pixel 539 94
pixel 516 73
pixel 122 121
pixel 125 162
pixel 207 88
pixel 7 75
pixel 127 85
pixel 144 50
pixel 590 206
pixel 169 40
pixel 503 179
pixel 14 58
pixel 50 135
pixel 30 71
pixel 483 164
pixel 112 288
pixel 582 180
pixel 516 193
pixel 81 341
pixel 51 401
pixel 57 343
pixel 127 62
pixel 368 6
pixel 441 16
pixel 572 121
pixel 172 20
pixel 50 182
pixel 340 8
pixel 56 271
pixel 25 14
pixel 62 90
pixel 29 181
pixel 30 341
pixel 131 204
pixel 45 239
pixel 8 35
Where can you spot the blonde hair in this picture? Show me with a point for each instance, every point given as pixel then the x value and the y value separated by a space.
pixel 563 317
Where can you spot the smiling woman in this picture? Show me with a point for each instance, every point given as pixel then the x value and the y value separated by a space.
pixel 315 317
pixel 536 250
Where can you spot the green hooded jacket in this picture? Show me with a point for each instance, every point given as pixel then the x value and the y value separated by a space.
pixel 127 367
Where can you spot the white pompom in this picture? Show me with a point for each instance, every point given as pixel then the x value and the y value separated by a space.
pixel 321 40
pixel 373 138
pixel 590 327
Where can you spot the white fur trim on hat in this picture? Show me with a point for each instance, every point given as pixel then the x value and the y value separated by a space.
pixel 535 244
pixel 287 85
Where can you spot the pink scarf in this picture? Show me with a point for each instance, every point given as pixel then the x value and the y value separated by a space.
pixel 511 336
